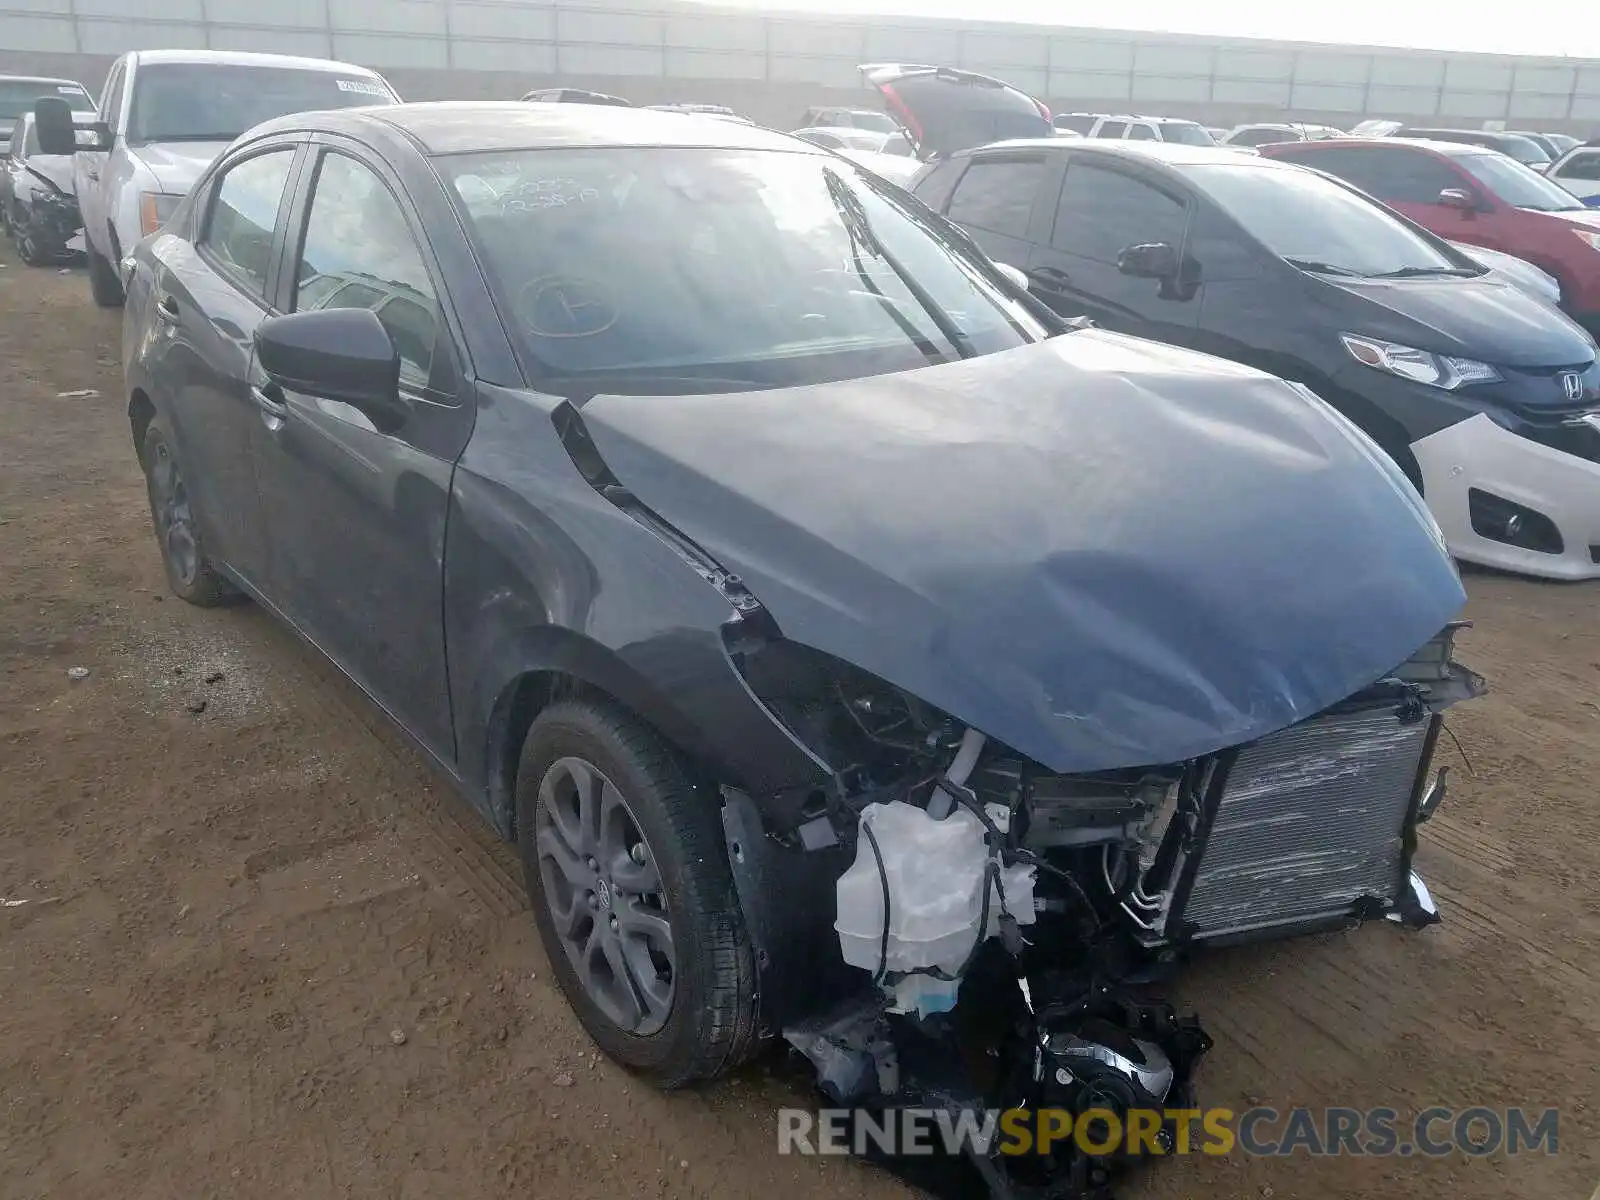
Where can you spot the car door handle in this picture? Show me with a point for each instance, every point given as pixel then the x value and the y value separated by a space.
pixel 1050 276
pixel 270 401
pixel 166 309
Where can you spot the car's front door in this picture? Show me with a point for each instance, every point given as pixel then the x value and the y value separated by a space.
pixel 207 298
pixel 356 515
pixel 1102 211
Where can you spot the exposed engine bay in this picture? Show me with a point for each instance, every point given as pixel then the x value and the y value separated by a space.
pixel 997 929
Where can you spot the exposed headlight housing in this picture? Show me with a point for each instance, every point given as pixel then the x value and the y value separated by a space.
pixel 1419 366
pixel 155 209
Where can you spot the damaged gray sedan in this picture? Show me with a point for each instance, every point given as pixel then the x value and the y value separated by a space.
pixel 859 656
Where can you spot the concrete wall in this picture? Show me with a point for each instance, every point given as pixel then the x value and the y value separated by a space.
pixel 770 66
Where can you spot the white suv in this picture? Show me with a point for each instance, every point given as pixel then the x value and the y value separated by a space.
pixel 165 114
pixel 1152 129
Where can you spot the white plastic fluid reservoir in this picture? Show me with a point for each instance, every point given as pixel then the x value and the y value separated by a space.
pixel 935 872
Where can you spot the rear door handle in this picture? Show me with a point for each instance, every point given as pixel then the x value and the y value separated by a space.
pixel 1050 276
pixel 167 310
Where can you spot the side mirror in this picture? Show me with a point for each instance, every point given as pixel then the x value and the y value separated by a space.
pixel 1459 199
pixel 342 354
pixel 1149 260
pixel 58 133
pixel 52 122
pixel 1017 278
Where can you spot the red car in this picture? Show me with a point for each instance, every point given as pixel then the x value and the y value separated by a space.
pixel 1471 194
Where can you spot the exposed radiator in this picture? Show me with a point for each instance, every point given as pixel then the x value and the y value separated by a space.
pixel 1310 823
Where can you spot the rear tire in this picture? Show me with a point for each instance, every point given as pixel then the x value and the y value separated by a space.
pixel 104 284
pixel 183 555
pixel 638 784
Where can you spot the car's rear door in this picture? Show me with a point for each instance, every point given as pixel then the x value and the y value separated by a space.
pixel 207 296
pixel 1104 207
pixel 356 516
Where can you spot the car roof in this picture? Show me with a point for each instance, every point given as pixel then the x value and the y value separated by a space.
pixel 245 58
pixel 38 79
pixel 1493 135
pixel 1176 154
pixel 473 126
pixel 1448 149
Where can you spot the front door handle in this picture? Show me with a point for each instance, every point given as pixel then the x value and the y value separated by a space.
pixel 167 310
pixel 1050 276
pixel 270 401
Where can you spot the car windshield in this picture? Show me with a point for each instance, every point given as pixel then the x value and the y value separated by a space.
pixel 18 95
pixel 1186 134
pixel 1517 185
pixel 1318 224
pixel 672 270
pixel 216 102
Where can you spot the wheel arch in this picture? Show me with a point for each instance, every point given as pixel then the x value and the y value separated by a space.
pixel 556 664
pixel 141 411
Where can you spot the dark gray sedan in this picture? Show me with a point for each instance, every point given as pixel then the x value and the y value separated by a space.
pixel 742 542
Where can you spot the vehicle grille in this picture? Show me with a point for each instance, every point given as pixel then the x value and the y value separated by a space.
pixel 1309 824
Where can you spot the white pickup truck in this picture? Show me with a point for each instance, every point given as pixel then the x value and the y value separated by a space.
pixel 164 116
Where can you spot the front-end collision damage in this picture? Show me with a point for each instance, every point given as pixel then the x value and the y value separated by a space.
pixel 988 931
pixel 1055 757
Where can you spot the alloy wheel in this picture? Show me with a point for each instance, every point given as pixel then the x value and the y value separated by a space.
pixel 605 897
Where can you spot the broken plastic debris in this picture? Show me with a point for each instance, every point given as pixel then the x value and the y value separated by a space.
pixel 80 394
pixel 77 672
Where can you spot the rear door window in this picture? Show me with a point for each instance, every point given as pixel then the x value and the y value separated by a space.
pixel 1102 212
pixel 244 214
pixel 1112 129
pixel 1140 132
pixel 996 194
pixel 1580 166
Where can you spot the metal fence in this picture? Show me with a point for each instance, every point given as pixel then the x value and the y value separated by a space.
pixel 734 53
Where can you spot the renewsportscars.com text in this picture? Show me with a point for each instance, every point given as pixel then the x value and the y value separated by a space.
pixel 1264 1132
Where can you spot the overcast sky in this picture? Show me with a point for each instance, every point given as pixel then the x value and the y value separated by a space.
pixel 1554 27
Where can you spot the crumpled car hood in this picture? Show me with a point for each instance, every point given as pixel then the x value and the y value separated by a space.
pixel 1101 551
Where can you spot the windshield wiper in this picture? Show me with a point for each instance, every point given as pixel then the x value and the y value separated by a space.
pixel 1417 272
pixel 860 230
pixel 1322 268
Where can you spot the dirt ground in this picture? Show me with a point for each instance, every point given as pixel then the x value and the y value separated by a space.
pixel 219 925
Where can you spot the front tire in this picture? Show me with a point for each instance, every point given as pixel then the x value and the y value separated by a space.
pixel 103 282
pixel 632 894
pixel 189 572
pixel 29 248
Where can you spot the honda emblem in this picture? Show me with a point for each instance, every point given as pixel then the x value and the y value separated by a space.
pixel 1572 385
